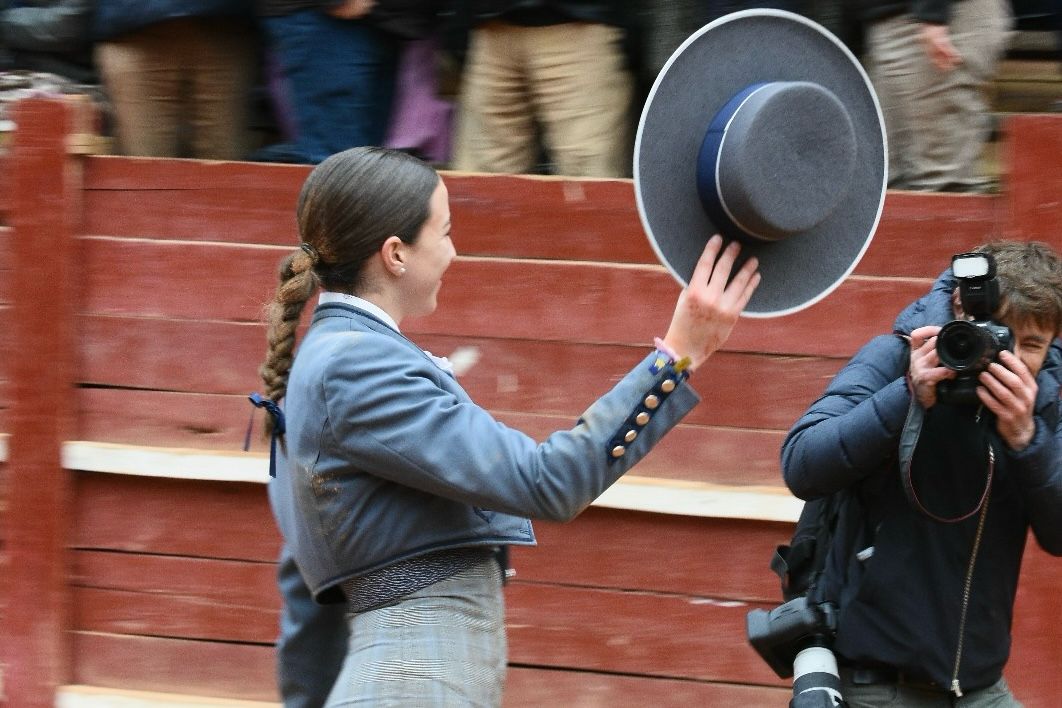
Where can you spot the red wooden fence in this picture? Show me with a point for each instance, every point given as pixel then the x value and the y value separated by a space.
pixel 130 300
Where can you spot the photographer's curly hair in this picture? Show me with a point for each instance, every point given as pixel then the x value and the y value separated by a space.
pixel 349 205
pixel 1030 282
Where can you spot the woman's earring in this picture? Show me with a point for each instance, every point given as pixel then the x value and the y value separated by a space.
pixel 401 270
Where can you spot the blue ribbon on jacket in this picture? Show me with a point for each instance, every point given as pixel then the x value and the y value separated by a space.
pixel 259 401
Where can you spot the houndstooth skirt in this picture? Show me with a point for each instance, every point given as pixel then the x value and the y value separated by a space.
pixel 438 647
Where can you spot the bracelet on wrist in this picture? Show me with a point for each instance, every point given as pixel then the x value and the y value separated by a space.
pixel 668 356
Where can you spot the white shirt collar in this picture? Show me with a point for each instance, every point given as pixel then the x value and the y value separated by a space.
pixel 360 303
pixel 375 310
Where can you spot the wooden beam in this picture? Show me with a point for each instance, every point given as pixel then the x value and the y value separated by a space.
pixel 1033 145
pixel 44 200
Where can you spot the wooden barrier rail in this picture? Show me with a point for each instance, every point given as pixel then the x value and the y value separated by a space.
pixel 130 299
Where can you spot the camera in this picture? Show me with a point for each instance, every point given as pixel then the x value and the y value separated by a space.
pixel 794 639
pixel 969 346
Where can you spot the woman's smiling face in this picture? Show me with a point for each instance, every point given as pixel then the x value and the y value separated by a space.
pixel 428 257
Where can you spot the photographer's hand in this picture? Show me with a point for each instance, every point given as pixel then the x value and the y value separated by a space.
pixel 708 308
pixel 925 371
pixel 1008 389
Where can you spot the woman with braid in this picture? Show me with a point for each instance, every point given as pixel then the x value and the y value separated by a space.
pixel 395 493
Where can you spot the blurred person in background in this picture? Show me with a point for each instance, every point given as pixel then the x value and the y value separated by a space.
pixel 662 25
pixel 49 36
pixel 337 65
pixel 546 76
pixel 46 47
pixel 179 73
pixel 931 63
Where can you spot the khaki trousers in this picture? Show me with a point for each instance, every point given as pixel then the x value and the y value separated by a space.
pixel 937 122
pixel 568 83
pixel 181 81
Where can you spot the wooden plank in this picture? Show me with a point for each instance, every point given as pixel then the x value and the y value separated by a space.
pixel 201 356
pixel 5 567
pixel 524 687
pixel 504 215
pixel 118 612
pixel 657 552
pixel 6 362
pixel 739 389
pixel 562 614
pixel 554 301
pixel 192 200
pixel 225 520
pixel 77 696
pixel 172 596
pixel 719 455
pixel 513 216
pixel 603 548
pixel 6 262
pixel 250 584
pixel 227 670
pixel 246 672
pixel 724 456
pixel 5 334
pixel 1033 182
pixel 43 261
pixel 174 279
pixel 548 625
pixel 613 305
pixel 1036 651
pixel 626 632
pixel 204 421
pixel 919 232
pixel 529 217
pixel 192 177
pixel 632 492
pixel 5 188
pixel 533 688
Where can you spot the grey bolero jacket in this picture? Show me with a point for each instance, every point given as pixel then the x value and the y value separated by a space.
pixel 386 457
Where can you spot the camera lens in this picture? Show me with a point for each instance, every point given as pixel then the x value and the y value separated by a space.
pixel 816 681
pixel 964 346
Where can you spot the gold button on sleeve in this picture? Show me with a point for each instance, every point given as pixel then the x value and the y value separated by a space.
pixel 630 436
pixel 668 385
pixel 619 451
pixel 642 418
pixel 651 402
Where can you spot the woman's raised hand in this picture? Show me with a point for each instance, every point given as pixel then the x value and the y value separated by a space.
pixel 708 308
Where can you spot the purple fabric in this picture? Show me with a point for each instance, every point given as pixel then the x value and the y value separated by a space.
pixel 280 96
pixel 420 120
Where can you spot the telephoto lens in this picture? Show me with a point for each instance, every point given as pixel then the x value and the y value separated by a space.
pixel 816 682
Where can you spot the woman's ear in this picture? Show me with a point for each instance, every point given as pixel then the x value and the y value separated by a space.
pixel 393 254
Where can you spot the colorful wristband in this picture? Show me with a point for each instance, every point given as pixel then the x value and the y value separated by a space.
pixel 667 355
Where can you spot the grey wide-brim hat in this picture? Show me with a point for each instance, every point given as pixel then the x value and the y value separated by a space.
pixel 764 128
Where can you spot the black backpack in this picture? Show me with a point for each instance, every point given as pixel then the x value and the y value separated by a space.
pixel 829 532
pixel 799 564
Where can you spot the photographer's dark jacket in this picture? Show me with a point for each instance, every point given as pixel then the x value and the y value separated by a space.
pixel 901 607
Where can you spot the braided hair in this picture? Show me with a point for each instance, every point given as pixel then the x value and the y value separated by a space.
pixel 349 205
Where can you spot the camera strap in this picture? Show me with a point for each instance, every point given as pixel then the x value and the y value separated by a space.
pixel 912 429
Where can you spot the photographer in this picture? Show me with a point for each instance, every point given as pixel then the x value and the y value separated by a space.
pixel 946 489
